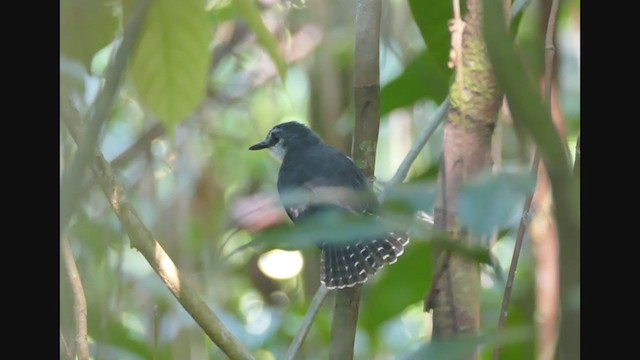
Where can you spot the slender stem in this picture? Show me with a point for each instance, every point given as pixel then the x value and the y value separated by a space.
pixel 67 352
pixel 79 301
pixel 71 190
pixel 524 219
pixel 316 303
pixel 412 155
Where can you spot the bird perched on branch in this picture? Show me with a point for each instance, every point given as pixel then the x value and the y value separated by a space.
pixel 332 182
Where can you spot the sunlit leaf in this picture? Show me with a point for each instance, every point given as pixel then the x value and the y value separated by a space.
pixel 423 78
pixel 170 64
pixel 249 11
pixel 86 26
pixel 490 201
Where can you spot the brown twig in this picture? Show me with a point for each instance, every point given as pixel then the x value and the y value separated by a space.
pixel 142 239
pixel 431 295
pixel 524 220
pixel 79 301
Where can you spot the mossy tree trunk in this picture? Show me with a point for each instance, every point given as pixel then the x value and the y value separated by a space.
pixel 475 101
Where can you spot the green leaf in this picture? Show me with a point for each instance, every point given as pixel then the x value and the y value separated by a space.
pixel 411 197
pixel 170 65
pixel 464 347
pixel 250 13
pixel 432 18
pixel 422 78
pixel 221 12
pixel 490 201
pixel 408 280
pixel 86 26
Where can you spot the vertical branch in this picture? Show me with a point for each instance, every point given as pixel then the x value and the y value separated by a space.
pixel 475 101
pixel 367 84
pixel 367 107
pixel 79 301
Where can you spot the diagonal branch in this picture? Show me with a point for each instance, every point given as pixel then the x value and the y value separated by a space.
pixel 79 301
pixel 316 302
pixel 412 155
pixel 71 190
pixel 142 239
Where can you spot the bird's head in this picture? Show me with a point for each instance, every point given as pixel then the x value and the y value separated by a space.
pixel 286 136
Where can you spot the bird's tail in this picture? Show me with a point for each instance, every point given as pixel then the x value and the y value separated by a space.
pixel 347 265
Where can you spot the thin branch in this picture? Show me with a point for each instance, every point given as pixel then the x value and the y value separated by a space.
pixel 412 155
pixel 70 191
pixel 142 239
pixel 316 303
pixel 79 301
pixel 429 299
pixel 524 219
pixel 67 352
pixel 506 296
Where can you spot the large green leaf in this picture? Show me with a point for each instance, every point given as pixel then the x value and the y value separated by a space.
pixel 423 78
pixel 432 18
pixel 86 26
pixel 490 201
pixel 250 13
pixel 170 64
pixel 464 347
pixel 400 285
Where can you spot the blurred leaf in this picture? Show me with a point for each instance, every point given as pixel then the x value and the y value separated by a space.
pixel 422 78
pixel 408 280
pixel 432 18
pixel 96 236
pixel 463 348
pixel 331 226
pixel 86 26
pixel 518 7
pixel 490 201
pixel 114 333
pixel 224 12
pixel 169 67
pixel 480 254
pixel 249 11
pixel 411 197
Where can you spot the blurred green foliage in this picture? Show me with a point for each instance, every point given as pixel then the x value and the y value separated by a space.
pixel 208 76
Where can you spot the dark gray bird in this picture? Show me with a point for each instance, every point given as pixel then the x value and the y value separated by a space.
pixel 333 182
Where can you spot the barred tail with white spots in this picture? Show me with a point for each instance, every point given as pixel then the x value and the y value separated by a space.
pixel 347 265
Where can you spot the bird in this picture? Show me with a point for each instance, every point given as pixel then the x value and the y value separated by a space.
pixel 309 166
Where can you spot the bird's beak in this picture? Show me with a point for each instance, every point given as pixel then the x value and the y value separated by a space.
pixel 261 145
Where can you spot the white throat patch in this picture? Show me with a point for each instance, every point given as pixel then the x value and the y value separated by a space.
pixel 278 151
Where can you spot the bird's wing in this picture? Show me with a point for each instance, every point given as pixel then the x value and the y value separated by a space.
pixel 322 178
